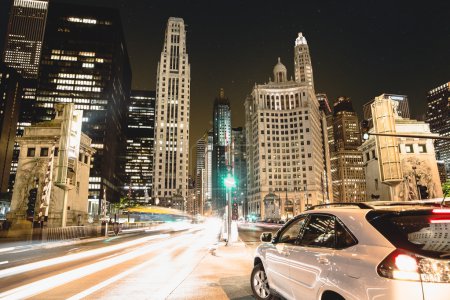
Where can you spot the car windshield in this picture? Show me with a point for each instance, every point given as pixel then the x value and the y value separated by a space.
pixel 425 232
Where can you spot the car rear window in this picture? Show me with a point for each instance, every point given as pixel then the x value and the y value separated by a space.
pixel 425 232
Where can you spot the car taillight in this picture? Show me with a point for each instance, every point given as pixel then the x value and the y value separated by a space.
pixel 404 265
pixel 441 211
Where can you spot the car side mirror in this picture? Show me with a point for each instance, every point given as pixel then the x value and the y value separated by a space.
pixel 266 237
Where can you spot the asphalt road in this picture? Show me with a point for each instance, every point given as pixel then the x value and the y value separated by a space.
pixel 154 265
pixel 149 266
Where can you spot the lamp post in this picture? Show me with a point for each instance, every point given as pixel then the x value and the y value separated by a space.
pixel 229 183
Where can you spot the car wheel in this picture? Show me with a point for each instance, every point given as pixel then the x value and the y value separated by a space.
pixel 259 283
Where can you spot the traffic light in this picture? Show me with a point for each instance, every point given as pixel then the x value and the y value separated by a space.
pixel 423 192
pixel 365 130
pixel 234 213
pixel 32 195
pixel 229 181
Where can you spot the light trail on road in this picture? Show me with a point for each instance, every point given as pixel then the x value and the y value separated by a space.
pixel 72 257
pixel 169 259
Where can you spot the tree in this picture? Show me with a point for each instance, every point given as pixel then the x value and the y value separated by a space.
pixel 446 188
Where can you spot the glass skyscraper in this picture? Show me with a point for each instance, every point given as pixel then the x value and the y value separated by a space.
pixel 438 116
pixel 221 158
pixel 25 34
pixel 85 61
pixel 140 134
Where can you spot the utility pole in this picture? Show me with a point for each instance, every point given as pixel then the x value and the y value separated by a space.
pixel 229 183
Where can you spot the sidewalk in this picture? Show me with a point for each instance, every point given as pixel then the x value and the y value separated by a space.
pixel 222 274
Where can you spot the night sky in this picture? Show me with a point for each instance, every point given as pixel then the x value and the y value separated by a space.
pixel 358 48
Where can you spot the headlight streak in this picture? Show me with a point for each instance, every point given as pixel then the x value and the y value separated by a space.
pixel 111 280
pixel 46 284
pixel 64 259
pixel 162 259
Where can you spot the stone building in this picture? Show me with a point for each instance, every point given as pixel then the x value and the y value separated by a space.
pixel 53 169
pixel 284 151
pixel 418 175
pixel 171 152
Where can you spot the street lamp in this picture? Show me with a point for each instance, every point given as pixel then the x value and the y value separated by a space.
pixel 229 183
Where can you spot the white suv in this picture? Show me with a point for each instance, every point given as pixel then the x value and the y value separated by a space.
pixel 362 251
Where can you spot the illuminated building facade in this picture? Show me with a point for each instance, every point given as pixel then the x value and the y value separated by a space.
pixel 208 171
pixel 171 161
pixel 10 96
pixel 239 158
pixel 25 35
pixel 200 174
pixel 85 61
pixel 347 169
pixel 438 116
pixel 284 147
pixel 221 160
pixel 140 141
pixel 302 61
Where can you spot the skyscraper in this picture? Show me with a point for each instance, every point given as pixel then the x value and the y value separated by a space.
pixel 327 130
pixel 221 160
pixel 302 60
pixel 438 116
pixel 10 95
pixel 85 61
pixel 347 169
pixel 22 51
pixel 25 35
pixel 171 160
pixel 140 134
pixel 284 146
pixel 200 174
pixel 239 159
pixel 208 171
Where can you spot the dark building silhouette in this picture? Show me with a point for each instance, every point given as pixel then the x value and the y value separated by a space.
pixel 85 61
pixel 10 96
pixel 140 141
pixel 22 51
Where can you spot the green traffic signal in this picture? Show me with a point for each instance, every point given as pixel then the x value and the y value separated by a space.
pixel 229 181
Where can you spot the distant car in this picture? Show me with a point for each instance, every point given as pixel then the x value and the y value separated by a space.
pixel 364 251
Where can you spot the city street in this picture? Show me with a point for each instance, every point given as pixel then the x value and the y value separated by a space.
pixel 181 264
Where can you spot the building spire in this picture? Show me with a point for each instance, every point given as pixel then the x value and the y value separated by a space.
pixel 222 93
